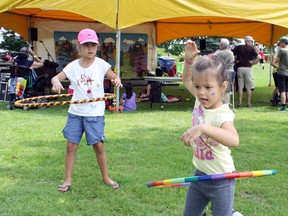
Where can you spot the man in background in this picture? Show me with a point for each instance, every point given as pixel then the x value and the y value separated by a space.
pixel 282 60
pixel 246 56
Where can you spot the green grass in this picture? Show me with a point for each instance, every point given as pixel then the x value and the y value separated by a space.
pixel 141 146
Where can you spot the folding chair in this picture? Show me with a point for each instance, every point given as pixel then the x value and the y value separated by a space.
pixel 108 88
pixel 232 75
pixel 155 93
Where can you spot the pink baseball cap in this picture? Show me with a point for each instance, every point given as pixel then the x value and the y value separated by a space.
pixel 87 35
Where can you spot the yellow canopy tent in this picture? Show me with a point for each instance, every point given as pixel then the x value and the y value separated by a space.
pixel 266 21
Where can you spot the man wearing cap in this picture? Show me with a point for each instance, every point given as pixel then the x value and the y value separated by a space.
pixel 245 56
pixel 86 74
pixel 226 55
pixel 282 60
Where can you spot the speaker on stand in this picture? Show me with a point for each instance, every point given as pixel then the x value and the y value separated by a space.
pixel 202 44
pixel 33 35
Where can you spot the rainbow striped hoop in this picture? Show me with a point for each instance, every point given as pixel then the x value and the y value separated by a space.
pixel 38 101
pixel 186 180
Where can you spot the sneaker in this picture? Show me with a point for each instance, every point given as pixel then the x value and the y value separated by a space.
pixel 236 213
pixel 282 109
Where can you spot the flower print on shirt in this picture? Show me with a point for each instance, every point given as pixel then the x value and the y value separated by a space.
pixel 202 144
pixel 89 93
pixel 87 80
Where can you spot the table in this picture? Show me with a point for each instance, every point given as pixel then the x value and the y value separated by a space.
pixel 5 75
pixel 163 79
pixel 163 82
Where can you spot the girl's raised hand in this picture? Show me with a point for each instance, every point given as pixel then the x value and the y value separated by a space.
pixel 191 50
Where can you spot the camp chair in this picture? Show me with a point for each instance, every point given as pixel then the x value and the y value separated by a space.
pixel 108 88
pixel 155 93
pixel 16 71
pixel 230 89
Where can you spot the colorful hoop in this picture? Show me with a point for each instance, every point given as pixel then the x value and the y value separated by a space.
pixel 183 181
pixel 34 101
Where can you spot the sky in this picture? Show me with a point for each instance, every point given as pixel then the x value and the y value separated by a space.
pixel 1 38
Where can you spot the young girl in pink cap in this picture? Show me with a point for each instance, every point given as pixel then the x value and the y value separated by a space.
pixel 86 74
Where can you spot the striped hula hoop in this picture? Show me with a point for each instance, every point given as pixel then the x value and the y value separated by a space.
pixel 38 101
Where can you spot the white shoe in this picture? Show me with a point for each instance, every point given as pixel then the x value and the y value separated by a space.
pixel 236 213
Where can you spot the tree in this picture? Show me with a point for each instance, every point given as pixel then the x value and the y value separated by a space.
pixel 173 47
pixel 176 47
pixel 11 41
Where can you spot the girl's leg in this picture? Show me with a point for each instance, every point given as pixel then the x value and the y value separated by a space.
pixel 102 162
pixel 195 201
pixel 69 161
pixel 71 150
pixel 221 195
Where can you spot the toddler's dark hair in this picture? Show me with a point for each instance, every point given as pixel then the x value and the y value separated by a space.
pixel 128 90
pixel 217 68
pixel 215 64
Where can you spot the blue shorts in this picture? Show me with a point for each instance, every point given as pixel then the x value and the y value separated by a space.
pixel 93 126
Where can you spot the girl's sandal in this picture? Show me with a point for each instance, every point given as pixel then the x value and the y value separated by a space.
pixel 114 185
pixel 63 188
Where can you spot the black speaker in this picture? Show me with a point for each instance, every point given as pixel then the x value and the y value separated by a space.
pixel 202 44
pixel 33 34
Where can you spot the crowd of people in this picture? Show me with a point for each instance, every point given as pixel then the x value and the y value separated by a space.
pixel 239 60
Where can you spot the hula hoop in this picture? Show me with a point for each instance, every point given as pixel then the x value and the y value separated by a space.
pixel 32 102
pixel 184 181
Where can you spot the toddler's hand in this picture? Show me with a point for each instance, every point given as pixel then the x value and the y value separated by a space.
pixel 191 134
pixel 191 50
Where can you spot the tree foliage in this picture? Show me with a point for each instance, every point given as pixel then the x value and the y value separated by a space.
pixel 176 47
pixel 11 42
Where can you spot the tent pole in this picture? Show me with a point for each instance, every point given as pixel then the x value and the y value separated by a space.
pixel 29 32
pixel 118 39
pixel 271 52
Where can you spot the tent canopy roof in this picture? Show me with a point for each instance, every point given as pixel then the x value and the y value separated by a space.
pixel 50 14
pixel 177 18
pixel 168 29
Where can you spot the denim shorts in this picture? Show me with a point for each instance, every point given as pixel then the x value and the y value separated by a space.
pixel 93 126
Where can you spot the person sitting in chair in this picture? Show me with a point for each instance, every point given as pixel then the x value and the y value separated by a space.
pixel 29 59
pixel 25 63
pixel 153 91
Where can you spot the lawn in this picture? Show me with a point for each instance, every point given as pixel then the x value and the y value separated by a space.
pixel 142 146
